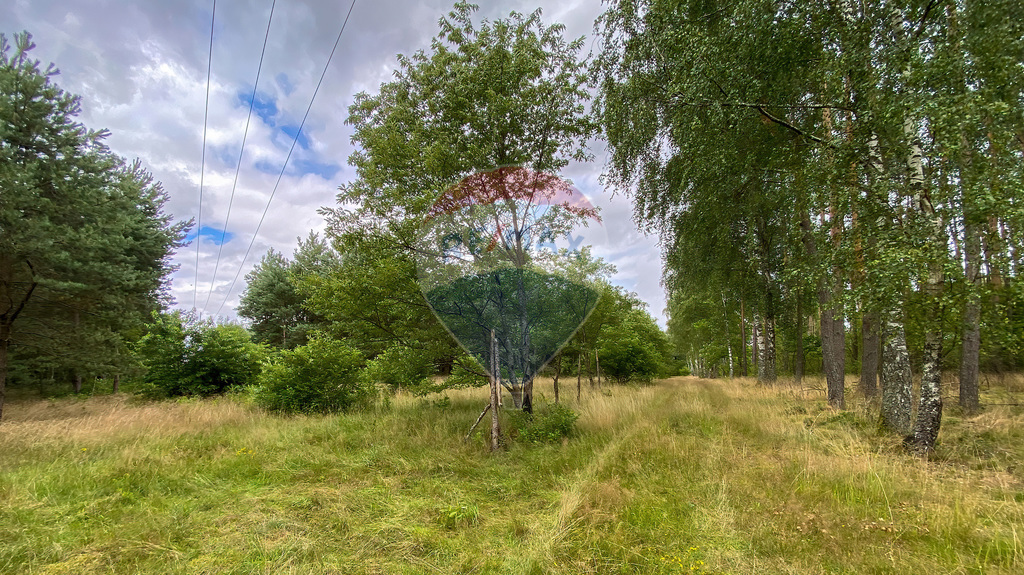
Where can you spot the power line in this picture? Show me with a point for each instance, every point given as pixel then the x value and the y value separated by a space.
pixel 238 167
pixel 288 157
pixel 202 168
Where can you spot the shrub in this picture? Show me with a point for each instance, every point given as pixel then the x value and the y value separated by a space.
pixel 549 424
pixel 320 377
pixel 627 357
pixel 401 367
pixel 184 356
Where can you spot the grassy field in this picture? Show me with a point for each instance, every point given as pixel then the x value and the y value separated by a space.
pixel 685 476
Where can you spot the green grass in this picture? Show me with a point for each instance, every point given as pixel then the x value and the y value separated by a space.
pixel 686 476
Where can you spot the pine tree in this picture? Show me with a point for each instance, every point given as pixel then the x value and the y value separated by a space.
pixel 84 243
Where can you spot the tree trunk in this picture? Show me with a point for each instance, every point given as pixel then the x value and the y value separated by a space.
pixel 766 373
pixel 495 377
pixel 929 409
pixel 896 377
pixel 756 345
pixel 597 364
pixel 798 364
pixel 117 382
pixel 971 351
pixel 77 377
pixel 5 340
pixel 516 391
pixel 833 350
pixel 590 372
pixel 868 384
pixel 579 375
pixel 728 340
pixel 743 340
pixel 528 395
pixel 558 373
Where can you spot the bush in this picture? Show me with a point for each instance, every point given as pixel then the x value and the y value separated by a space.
pixel 626 357
pixel 548 424
pixel 184 356
pixel 401 367
pixel 320 377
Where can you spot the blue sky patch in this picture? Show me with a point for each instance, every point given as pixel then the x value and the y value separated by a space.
pixel 215 235
pixel 285 84
pixel 263 105
pixel 300 166
pixel 303 140
pixel 325 170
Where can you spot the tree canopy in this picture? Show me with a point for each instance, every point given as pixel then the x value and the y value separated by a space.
pixel 84 241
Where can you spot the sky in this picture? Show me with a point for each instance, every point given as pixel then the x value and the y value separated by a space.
pixel 141 68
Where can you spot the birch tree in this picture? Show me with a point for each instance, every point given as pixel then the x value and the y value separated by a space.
pixel 890 107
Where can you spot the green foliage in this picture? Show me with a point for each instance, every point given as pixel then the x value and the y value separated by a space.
pixel 185 357
pixel 549 423
pixel 402 367
pixel 272 301
pixel 323 376
pixel 626 356
pixel 496 93
pixel 459 515
pixel 84 241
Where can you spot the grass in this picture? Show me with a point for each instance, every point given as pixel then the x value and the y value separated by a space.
pixel 685 476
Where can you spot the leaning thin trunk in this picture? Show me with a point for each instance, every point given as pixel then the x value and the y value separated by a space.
pixel 495 378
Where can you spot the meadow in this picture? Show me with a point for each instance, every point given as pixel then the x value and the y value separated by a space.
pixel 682 476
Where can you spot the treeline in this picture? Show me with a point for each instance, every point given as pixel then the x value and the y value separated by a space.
pixel 857 165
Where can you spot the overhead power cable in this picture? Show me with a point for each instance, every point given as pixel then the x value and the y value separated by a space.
pixel 287 158
pixel 202 167
pixel 238 167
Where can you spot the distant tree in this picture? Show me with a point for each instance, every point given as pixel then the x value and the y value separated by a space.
pixel 635 348
pixel 84 243
pixel 272 302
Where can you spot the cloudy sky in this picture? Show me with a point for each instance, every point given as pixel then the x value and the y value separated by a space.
pixel 141 69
